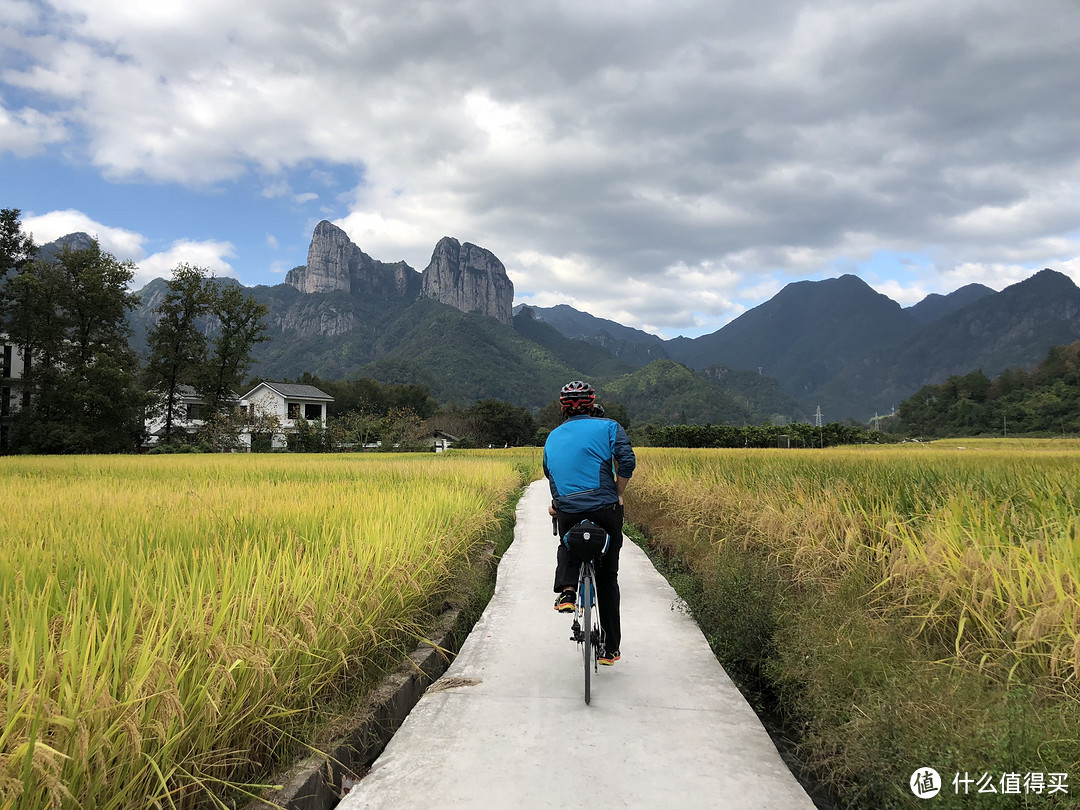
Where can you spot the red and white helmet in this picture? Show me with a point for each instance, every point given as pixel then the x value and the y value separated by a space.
pixel 577 395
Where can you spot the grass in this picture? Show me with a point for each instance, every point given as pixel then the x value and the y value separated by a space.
pixel 170 624
pixel 902 603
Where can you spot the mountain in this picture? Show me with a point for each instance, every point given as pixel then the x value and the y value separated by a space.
pixel 674 393
pixel 627 344
pixel 840 345
pixel 466 357
pixel 335 263
pixel 467 277
pixel 804 335
pixel 330 313
pixel 836 343
pixel 346 315
pixel 1015 327
pixel 936 306
pixel 73 241
pixel 591 360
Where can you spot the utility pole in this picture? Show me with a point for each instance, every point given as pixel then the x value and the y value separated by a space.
pixel 1004 428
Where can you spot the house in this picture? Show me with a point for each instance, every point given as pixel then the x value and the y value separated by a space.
pixel 11 389
pixel 267 413
pixel 441 441
pixel 188 415
pixel 280 406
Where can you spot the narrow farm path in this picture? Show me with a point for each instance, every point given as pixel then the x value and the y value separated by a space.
pixel 507 726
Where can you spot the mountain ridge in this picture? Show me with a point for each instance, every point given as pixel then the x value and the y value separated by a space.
pixel 835 343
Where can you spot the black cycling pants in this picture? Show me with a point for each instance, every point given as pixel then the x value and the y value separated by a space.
pixel 607 567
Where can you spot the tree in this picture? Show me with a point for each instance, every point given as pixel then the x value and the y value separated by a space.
pixel 241 326
pixel 263 424
pixel 309 436
pixel 16 247
pixel 177 345
pixel 501 424
pixel 355 428
pixel 220 431
pixel 402 429
pixel 70 316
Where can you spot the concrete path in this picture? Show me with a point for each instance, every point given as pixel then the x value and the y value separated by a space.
pixel 507 725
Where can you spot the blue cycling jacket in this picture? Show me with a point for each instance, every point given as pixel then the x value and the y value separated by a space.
pixel 579 461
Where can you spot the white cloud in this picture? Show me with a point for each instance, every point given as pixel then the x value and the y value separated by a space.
pixel 127 245
pixel 27 131
pixel 904 294
pixel 995 276
pixel 124 244
pixel 667 163
pixel 211 255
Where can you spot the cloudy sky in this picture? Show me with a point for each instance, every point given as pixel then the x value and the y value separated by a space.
pixel 667 164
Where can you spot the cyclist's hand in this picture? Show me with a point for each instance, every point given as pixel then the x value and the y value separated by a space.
pixel 552 512
pixel 620 500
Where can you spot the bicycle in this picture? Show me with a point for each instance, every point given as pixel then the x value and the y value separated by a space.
pixel 586 630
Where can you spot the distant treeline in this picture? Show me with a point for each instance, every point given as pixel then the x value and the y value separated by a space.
pixel 793 435
pixel 1045 400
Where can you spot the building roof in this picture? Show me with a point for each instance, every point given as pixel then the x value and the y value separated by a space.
pixel 293 391
pixel 188 392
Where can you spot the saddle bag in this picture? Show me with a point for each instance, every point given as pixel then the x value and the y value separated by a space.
pixel 586 541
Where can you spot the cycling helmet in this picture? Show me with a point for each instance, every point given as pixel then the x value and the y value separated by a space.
pixel 598 410
pixel 577 395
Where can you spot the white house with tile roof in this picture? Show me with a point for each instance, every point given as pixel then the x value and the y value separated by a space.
pixel 273 404
pixel 285 402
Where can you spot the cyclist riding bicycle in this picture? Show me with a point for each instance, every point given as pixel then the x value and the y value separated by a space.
pixel 588 462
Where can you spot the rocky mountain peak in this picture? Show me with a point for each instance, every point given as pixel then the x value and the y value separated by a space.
pixel 331 259
pixel 469 278
pixel 336 263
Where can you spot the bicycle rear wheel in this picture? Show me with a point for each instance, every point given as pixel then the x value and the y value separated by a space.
pixel 587 629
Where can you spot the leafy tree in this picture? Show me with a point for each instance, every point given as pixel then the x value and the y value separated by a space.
pixel 373 397
pixel 17 316
pixel 16 247
pixel 617 411
pixel 263 423
pixel 177 345
pixel 220 431
pixel 760 436
pixel 550 416
pixel 499 423
pixel 355 428
pixel 70 317
pixel 241 326
pixel 402 429
pixel 309 436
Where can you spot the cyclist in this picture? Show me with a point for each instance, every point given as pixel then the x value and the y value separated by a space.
pixel 588 461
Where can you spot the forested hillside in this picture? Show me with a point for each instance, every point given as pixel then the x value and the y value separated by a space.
pixel 1045 400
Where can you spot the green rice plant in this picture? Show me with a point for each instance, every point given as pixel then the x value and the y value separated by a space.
pixel 168 622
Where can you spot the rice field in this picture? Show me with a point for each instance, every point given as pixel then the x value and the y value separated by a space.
pixel 974 545
pixel 899 606
pixel 169 621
